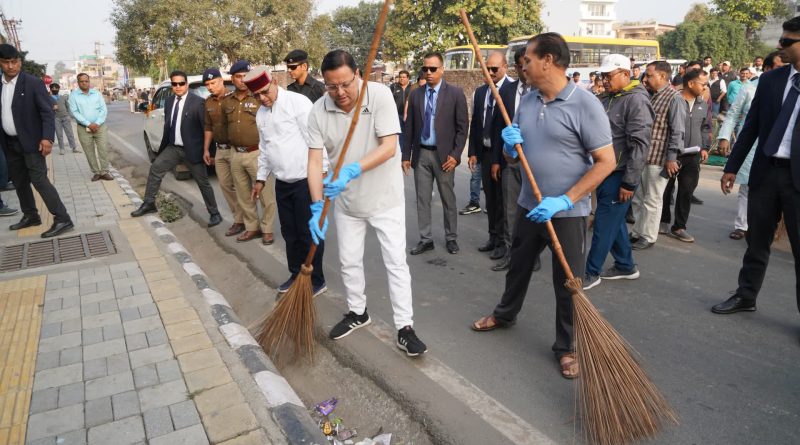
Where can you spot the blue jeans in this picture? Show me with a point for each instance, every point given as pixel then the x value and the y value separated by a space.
pixel 475 186
pixel 610 233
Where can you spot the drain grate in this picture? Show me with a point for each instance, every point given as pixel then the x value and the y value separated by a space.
pixel 55 251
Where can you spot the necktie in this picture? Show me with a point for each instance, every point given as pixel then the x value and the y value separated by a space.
pixel 782 122
pixel 426 126
pixel 487 118
pixel 174 121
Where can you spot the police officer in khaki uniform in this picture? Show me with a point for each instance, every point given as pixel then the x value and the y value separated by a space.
pixel 297 64
pixel 216 131
pixel 239 118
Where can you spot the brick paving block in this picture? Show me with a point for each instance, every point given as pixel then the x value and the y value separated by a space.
pixel 207 378
pixel 45 441
pixel 50 330
pixel 57 421
pixel 145 376
pixel 107 306
pixel 218 398
pixel 127 431
pixel 72 438
pixel 92 336
pixel 100 320
pixel 204 358
pixel 141 325
pixel 191 343
pixel 129 313
pixel 156 337
pixel 168 370
pixel 172 304
pixel 194 435
pixel 255 437
pixel 163 394
pixel 52 305
pixel 70 394
pixel 112 332
pixel 44 400
pixel 134 300
pixel 148 310
pixel 140 288
pixel 184 329
pixel 90 309
pixel 157 422
pixel 125 404
pixel 150 355
pixel 61 293
pixel 60 342
pixel 93 369
pixel 109 385
pixel 104 349
pixel 70 301
pixel 117 363
pixel 136 341
pixel 103 286
pixel 47 360
pixel 61 315
pixel 179 315
pixel 55 377
pixel 70 356
pixel 184 414
pixel 72 325
pixel 117 274
pixel 229 422
pixel 88 288
pixel 96 297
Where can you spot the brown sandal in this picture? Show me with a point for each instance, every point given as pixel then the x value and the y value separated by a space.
pixel 569 367
pixel 489 323
pixel 738 234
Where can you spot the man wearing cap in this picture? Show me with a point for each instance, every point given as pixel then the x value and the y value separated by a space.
pixel 63 119
pixel 181 142
pixel 28 125
pixel 215 131
pixel 630 114
pixel 283 150
pixel 297 64
pixel 239 118
pixel 89 108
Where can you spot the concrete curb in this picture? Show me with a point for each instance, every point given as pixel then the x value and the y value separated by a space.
pixel 283 403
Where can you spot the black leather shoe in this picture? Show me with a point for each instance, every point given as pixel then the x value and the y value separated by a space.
pixel 498 252
pixel 696 200
pixel 215 219
pixel 537 265
pixel 503 264
pixel 641 244
pixel 734 304
pixel 144 209
pixel 488 247
pixel 57 229
pixel 452 247
pixel 26 221
pixel 422 247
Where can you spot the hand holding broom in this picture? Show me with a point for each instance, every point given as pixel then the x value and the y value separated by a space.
pixel 618 402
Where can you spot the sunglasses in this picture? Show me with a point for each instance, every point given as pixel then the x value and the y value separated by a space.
pixel 786 42
pixel 177 84
pixel 293 67
pixel 430 69
pixel 493 69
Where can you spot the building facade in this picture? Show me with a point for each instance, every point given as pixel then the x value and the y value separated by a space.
pixel 597 18
pixel 646 31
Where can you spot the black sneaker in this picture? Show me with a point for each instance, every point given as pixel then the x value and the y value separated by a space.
pixel 350 323
pixel 590 281
pixel 471 208
pixel 408 341
pixel 283 288
pixel 614 273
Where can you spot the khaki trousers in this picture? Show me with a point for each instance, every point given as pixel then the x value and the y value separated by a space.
pixel 244 169
pixel 647 203
pixel 95 146
pixel 222 164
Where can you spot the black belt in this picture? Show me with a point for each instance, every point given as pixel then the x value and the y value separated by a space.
pixel 428 147
pixel 780 162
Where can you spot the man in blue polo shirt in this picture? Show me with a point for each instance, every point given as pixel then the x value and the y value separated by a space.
pixel 566 137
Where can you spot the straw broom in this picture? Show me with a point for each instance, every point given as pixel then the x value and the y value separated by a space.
pixel 617 401
pixel 293 320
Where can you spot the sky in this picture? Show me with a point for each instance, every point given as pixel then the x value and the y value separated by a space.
pixel 57 30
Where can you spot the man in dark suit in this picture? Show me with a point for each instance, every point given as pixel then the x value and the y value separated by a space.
pixel 28 122
pixel 436 132
pixel 480 152
pixel 774 184
pixel 182 141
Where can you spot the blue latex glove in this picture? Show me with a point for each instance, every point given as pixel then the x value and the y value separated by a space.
pixel 549 207
pixel 317 233
pixel 511 136
pixel 331 189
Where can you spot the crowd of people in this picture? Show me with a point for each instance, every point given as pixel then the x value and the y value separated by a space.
pixel 626 147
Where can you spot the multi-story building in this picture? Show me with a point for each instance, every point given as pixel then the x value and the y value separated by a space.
pixel 106 66
pixel 597 18
pixel 649 30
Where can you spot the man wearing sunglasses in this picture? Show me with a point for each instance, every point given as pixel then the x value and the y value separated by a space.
pixel 437 126
pixel 182 142
pixel 304 83
pixel 774 183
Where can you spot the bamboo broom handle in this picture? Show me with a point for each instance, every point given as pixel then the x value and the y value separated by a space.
pixel 499 101
pixel 373 51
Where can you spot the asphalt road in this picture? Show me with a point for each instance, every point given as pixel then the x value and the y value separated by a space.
pixel 732 379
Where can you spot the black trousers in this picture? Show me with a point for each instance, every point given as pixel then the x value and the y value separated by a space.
pixel 294 211
pixel 28 169
pixel 530 239
pixel 493 191
pixel 167 159
pixel 776 195
pixel 687 178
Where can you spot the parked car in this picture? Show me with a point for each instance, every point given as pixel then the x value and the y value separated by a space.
pixel 154 119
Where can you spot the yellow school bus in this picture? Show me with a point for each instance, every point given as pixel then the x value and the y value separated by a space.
pixel 585 53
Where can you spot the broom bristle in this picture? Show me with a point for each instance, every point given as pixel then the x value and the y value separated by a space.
pixel 618 402
pixel 291 323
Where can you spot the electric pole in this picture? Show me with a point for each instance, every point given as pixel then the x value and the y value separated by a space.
pixel 11 26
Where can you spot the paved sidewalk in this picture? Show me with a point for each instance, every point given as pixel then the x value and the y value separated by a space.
pixel 118 349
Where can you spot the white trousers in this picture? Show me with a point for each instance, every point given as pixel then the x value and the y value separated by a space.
pixel 391 230
pixel 741 216
pixel 647 203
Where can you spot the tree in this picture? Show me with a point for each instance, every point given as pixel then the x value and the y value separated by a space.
pixel 698 13
pixel 715 36
pixel 752 14
pixel 352 28
pixel 317 39
pixel 31 67
pixel 416 27
pixel 59 69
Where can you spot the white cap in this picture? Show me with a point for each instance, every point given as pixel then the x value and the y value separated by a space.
pixel 726 63
pixel 753 71
pixel 613 62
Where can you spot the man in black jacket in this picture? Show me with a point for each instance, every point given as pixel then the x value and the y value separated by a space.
pixel 182 141
pixel 28 122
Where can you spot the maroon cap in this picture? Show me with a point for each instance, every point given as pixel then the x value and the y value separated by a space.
pixel 257 78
